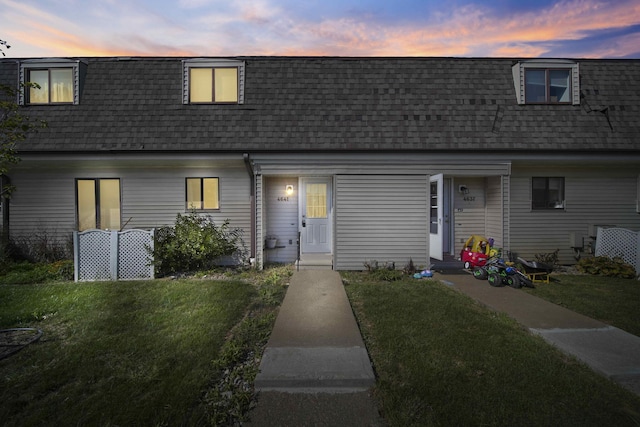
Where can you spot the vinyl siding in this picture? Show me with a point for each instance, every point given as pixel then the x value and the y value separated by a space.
pixel 494 212
pixel 593 195
pixel 469 215
pixel 281 219
pixel 381 218
pixel 260 233
pixel 38 210
pixel 150 197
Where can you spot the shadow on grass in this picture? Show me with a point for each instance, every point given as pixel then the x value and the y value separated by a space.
pixel 128 353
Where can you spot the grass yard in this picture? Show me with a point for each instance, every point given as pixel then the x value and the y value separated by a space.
pixel 126 353
pixel 442 359
pixel 608 299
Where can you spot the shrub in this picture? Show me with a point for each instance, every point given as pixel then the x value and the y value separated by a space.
pixel 41 246
pixel 605 266
pixel 387 275
pixel 550 259
pixel 410 268
pixel 193 243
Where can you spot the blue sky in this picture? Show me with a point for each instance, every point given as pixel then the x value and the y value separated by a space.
pixel 471 28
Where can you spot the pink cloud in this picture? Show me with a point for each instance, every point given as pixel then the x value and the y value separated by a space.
pixel 264 28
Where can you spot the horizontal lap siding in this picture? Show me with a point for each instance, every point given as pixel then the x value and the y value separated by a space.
pixel 153 198
pixel 381 218
pixel 281 219
pixel 260 233
pixel 43 204
pixel 592 196
pixel 469 215
pixel 150 197
pixel 493 220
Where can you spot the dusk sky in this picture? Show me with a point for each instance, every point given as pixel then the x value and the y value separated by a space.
pixel 453 28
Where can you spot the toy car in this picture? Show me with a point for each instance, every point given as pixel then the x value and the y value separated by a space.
pixel 476 251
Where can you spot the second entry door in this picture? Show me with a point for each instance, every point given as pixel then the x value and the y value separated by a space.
pixel 315 215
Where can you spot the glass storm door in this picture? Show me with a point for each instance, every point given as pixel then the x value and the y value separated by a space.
pixel 435 216
pixel 315 210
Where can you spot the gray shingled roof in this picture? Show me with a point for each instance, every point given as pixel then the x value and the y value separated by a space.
pixel 335 104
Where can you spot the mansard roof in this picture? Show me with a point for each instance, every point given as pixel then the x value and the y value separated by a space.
pixel 338 104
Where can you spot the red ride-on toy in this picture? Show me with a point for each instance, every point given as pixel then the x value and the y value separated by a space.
pixel 476 251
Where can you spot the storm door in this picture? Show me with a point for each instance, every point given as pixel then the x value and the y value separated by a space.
pixel 315 215
pixel 435 216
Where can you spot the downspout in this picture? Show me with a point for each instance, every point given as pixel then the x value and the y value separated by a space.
pixel 252 197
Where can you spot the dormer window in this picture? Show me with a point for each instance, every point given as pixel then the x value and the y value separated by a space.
pixel 547 86
pixel 213 81
pixel 58 81
pixel 547 81
pixel 54 86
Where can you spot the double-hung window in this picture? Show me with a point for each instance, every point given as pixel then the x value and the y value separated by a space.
pixel 202 193
pixel 547 193
pixel 98 203
pixel 547 86
pixel 213 81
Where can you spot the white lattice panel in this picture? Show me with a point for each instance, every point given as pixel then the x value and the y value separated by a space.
pixel 113 255
pixel 134 260
pixel 619 242
pixel 93 256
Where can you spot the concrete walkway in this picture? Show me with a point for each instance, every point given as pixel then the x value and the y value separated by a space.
pixel 610 351
pixel 315 369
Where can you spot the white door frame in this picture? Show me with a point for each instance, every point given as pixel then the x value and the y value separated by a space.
pixel 435 215
pixel 321 227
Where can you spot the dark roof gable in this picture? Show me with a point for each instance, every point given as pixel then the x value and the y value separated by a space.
pixel 318 103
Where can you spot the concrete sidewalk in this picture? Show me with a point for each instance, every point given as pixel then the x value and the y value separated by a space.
pixel 315 369
pixel 610 351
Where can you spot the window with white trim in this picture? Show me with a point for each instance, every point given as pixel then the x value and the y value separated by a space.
pixel 547 81
pixel 53 81
pixel 219 81
pixel 547 86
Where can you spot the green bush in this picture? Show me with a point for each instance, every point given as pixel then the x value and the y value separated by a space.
pixel 605 266
pixel 193 243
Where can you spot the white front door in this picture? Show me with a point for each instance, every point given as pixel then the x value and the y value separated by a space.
pixel 435 216
pixel 315 215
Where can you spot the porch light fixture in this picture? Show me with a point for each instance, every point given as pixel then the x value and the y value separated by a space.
pixel 289 189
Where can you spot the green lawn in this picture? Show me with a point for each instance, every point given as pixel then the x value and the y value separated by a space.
pixel 127 353
pixel 608 299
pixel 442 359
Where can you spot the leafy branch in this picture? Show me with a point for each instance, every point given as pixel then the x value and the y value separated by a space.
pixel 14 127
pixel 4 43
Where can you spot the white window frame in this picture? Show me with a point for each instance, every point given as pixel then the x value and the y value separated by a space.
pixel 212 63
pixel 518 71
pixel 49 64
